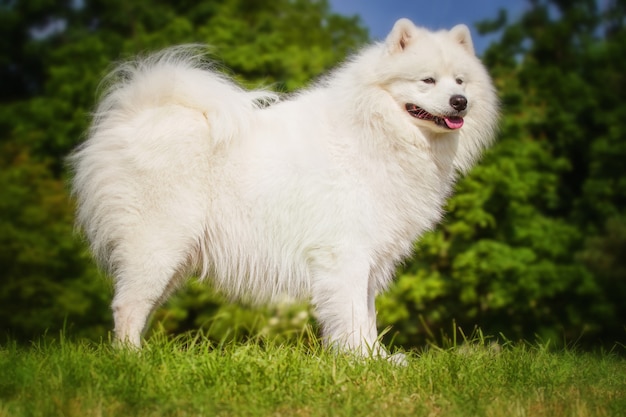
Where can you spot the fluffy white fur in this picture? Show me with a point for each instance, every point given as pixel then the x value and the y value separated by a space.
pixel 320 195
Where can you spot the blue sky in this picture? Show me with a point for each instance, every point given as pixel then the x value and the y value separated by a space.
pixel 380 15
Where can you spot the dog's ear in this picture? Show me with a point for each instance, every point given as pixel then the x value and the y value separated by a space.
pixel 461 34
pixel 400 36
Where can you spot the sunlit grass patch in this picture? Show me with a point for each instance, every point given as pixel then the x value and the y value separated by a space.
pixel 191 376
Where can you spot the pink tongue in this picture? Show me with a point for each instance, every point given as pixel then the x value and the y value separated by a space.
pixel 454 122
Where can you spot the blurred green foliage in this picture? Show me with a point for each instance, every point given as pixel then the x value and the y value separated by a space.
pixel 533 242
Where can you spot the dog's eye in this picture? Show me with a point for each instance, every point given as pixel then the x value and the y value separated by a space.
pixel 459 81
pixel 429 80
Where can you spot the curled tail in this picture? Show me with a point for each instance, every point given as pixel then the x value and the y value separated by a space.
pixel 177 75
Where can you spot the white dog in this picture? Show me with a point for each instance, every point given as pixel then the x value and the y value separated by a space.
pixel 320 195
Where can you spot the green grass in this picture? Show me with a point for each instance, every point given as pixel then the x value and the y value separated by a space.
pixel 193 377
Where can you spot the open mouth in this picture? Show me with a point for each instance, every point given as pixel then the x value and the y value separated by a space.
pixel 448 122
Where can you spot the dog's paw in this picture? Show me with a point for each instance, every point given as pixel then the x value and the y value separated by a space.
pixel 398 359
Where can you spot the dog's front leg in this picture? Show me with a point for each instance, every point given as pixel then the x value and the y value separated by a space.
pixel 345 308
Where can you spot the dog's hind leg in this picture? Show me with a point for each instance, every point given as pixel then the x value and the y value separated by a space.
pixel 144 280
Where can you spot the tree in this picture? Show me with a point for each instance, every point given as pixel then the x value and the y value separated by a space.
pixel 517 253
pixel 43 268
pixel 53 56
pixel 533 240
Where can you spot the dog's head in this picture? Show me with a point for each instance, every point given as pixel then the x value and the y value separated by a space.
pixel 434 77
pixel 434 82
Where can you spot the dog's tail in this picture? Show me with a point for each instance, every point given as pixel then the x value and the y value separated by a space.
pixel 178 76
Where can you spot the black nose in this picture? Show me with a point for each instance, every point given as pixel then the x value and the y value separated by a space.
pixel 458 102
